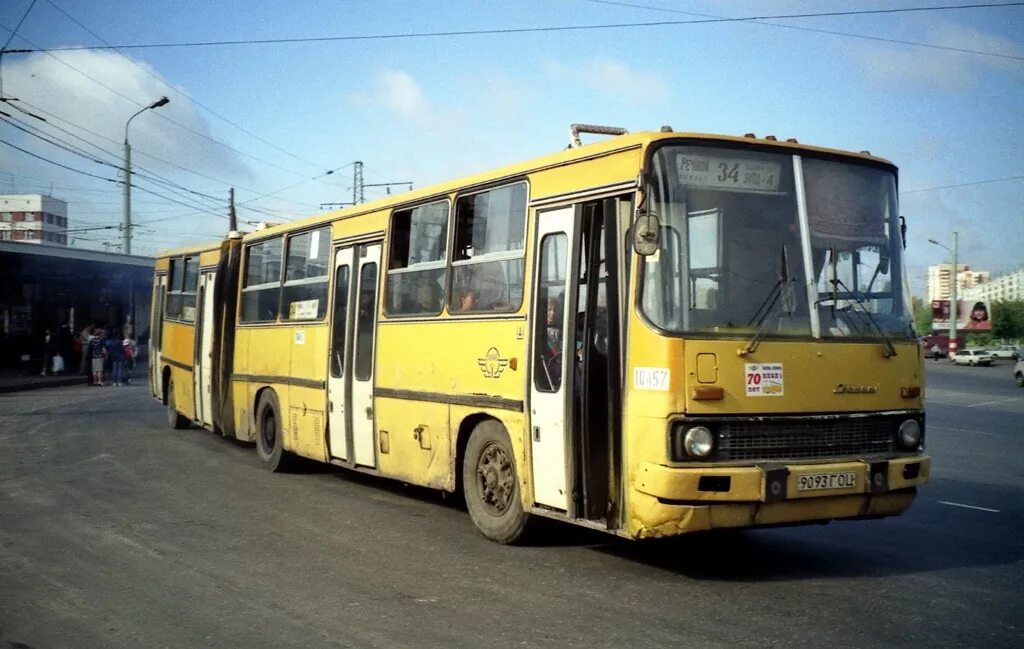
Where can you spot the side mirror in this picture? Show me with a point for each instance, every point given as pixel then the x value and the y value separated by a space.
pixel 646 234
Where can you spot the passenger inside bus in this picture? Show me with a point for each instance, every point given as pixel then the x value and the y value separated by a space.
pixel 553 343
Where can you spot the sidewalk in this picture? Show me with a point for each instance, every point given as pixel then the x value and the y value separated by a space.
pixel 16 380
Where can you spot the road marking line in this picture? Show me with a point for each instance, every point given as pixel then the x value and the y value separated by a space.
pixel 984 509
pixel 991 403
pixel 958 430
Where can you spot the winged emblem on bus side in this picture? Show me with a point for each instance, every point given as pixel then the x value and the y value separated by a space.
pixel 492 364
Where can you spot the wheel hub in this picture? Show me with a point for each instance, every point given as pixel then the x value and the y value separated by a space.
pixel 496 478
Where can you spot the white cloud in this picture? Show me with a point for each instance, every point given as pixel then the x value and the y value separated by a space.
pixel 398 92
pixel 611 77
pixel 948 70
pixel 92 99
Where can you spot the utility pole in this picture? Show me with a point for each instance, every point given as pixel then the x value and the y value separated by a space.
pixel 357 183
pixel 126 225
pixel 952 293
pixel 952 303
pixel 359 187
pixel 232 218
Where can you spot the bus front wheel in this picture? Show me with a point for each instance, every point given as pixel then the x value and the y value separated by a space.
pixel 491 486
pixel 270 434
pixel 174 418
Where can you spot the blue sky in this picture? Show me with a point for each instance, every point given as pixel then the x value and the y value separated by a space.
pixel 430 109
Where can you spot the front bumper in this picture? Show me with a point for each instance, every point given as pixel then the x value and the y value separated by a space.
pixel 673 500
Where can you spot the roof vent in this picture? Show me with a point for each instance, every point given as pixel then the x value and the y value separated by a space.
pixel 771 138
pixel 792 140
pixel 666 129
pixel 750 135
pixel 866 152
pixel 576 129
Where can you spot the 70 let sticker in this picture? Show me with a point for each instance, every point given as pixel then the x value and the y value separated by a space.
pixel 764 379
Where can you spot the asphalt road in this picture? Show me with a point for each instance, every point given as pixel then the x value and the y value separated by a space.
pixel 117 532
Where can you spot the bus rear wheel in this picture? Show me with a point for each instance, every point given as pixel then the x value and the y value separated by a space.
pixel 174 418
pixel 491 486
pixel 270 434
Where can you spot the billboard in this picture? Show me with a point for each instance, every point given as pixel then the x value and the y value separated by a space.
pixel 972 315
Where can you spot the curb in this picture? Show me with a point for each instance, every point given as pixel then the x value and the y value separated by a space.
pixel 34 384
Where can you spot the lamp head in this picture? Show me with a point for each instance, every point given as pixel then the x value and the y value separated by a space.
pixel 163 101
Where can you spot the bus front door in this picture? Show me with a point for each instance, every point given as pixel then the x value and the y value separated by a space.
pixel 350 380
pixel 554 358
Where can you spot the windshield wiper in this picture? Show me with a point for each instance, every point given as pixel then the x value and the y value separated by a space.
pixel 858 299
pixel 781 288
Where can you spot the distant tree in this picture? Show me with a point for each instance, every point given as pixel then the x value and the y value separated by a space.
pixel 922 315
pixel 1008 319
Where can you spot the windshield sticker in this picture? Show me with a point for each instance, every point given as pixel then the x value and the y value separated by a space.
pixel 651 378
pixel 764 379
pixel 737 174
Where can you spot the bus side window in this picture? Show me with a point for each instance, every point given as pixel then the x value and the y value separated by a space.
pixel 488 255
pixel 416 260
pixel 262 288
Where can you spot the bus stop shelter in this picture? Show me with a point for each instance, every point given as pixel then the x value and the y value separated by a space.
pixel 63 290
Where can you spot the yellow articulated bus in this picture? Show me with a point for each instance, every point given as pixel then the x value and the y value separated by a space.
pixel 654 334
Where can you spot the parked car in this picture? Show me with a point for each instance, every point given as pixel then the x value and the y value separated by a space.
pixel 973 357
pixel 1018 373
pixel 1006 351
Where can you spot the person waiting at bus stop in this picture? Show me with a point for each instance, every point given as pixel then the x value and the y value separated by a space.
pixel 96 354
pixel 114 349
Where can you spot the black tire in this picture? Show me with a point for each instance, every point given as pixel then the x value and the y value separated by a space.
pixel 490 484
pixel 1020 380
pixel 270 434
pixel 175 419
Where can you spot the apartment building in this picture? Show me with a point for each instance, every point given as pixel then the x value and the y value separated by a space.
pixel 33 218
pixel 940 280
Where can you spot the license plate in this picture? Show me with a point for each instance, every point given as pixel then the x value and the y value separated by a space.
pixel 836 480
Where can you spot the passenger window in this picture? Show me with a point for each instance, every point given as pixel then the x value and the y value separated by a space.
pixel 365 321
pixel 181 294
pixel 190 273
pixel 304 295
pixel 488 261
pixel 550 313
pixel 172 308
pixel 416 260
pixel 339 322
pixel 262 288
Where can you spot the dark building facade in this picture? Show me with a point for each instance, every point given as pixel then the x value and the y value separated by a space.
pixel 64 290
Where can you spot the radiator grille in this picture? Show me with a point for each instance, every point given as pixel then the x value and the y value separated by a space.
pixel 805 439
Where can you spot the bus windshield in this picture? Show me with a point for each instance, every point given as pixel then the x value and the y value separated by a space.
pixel 731 258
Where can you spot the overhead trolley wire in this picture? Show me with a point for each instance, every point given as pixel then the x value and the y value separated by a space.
pixel 183 94
pixel 141 152
pixel 141 172
pixel 157 113
pixel 963 50
pixel 529 30
pixel 957 185
pixel 112 180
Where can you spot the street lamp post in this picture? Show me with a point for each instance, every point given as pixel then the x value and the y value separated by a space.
pixel 126 225
pixel 952 296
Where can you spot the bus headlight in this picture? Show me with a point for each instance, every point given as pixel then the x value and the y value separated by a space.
pixel 698 442
pixel 910 435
